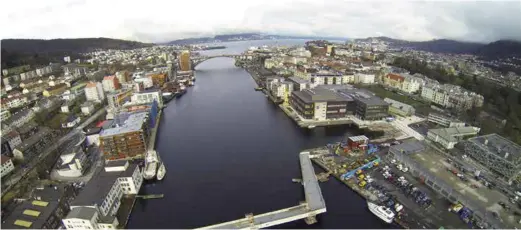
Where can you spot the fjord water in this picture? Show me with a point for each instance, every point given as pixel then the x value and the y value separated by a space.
pixel 229 151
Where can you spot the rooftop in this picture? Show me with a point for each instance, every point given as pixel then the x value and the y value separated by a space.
pixel 319 95
pixel 397 104
pixel 31 214
pixel 85 213
pixel 125 123
pixel 498 145
pixel 364 96
pixel 97 189
pixel 408 147
pixel 42 133
pixel 451 134
pixel 4 158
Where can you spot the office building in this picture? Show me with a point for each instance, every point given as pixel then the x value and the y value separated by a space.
pixel 399 108
pixel 185 62
pixel 36 214
pixel 444 121
pixel 321 104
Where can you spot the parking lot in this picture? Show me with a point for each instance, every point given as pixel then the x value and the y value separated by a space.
pixel 472 189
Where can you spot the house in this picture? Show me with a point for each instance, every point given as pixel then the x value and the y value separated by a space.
pixel 13 138
pixel 448 137
pixel 73 162
pixel 55 90
pixel 393 80
pixel 71 121
pixel 87 108
pixel 96 206
pixel 7 165
pixel 13 102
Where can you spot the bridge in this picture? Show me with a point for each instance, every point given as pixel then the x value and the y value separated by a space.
pixel 196 60
pixel 307 210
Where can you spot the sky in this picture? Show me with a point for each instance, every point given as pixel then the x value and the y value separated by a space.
pixel 167 20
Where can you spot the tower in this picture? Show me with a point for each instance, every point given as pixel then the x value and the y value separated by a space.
pixel 171 70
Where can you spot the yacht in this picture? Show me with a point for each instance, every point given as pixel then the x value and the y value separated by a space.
pixel 151 162
pixel 161 171
pixel 381 212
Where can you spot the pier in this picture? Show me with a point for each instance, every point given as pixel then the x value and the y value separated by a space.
pixel 307 210
pixel 150 196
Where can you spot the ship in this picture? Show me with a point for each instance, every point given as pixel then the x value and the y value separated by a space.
pixel 161 171
pixel 382 212
pixel 151 162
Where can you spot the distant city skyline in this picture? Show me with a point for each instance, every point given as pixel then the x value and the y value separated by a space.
pixel 161 21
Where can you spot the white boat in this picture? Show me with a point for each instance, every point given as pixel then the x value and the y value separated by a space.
pixel 311 127
pixel 190 83
pixel 182 87
pixel 382 212
pixel 151 162
pixel 161 171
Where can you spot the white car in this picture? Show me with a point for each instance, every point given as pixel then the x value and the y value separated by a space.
pixel 393 161
pixel 405 169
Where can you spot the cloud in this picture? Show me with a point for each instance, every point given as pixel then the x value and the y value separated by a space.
pixel 163 20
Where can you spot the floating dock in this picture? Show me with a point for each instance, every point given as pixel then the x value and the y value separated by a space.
pixel 307 210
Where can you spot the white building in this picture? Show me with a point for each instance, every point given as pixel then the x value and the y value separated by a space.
pixel 101 197
pixel 147 97
pixel 448 137
pixel 362 78
pixel 110 83
pixel 411 84
pixel 5 114
pixel 73 163
pixel 87 108
pixel 94 92
pixel 7 165
pixel 348 78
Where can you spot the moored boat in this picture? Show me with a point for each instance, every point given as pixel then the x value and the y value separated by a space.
pixel 161 171
pixel 151 162
pixel 382 212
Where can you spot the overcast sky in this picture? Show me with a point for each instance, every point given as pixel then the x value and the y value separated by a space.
pixel 165 20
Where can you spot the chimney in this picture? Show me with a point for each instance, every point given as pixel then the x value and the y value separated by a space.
pixel 506 155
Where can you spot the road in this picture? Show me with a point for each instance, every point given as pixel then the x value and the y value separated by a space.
pixel 19 174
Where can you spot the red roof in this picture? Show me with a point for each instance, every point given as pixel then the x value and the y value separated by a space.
pixel 5 159
pixel 90 85
pixel 395 77
pixel 109 77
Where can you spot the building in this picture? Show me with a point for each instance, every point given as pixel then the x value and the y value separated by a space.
pixel 159 79
pixel 118 99
pixel 71 121
pixel 364 78
pixel 411 84
pixel 13 138
pixel 96 206
pixel 92 135
pixel 4 114
pixel 74 70
pixel 299 84
pixel 393 80
pixel 448 137
pixel 55 90
pixel 36 214
pixel 451 96
pixel 185 62
pixel 20 118
pixel 147 97
pixel 33 145
pixel 444 120
pixel 368 105
pixel 110 84
pixel 13 102
pixel 399 108
pixel 87 108
pixel 7 165
pixel 320 104
pixel 497 153
pixel 94 92
pixel 123 76
pixel 127 138
pixel 73 162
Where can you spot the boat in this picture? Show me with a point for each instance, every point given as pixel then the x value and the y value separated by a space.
pixel 161 171
pixel 382 212
pixel 151 162
pixel 190 83
pixel 258 89
pixel 311 126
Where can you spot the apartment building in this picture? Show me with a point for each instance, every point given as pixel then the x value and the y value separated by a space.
pixel 20 118
pixel 7 165
pixel 364 78
pixel 299 84
pixel 147 97
pixel 119 98
pixel 97 204
pixel 393 80
pixel 399 108
pixel 94 92
pixel 411 84
pixel 127 138
pixel 33 146
pixel 110 84
pixel 451 96
pixel 55 90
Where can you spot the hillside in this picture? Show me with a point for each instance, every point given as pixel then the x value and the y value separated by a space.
pixel 17 52
pixel 500 49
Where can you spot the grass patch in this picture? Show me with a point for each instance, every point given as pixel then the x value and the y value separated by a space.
pixel 422 107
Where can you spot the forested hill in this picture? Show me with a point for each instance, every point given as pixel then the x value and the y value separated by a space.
pixel 17 52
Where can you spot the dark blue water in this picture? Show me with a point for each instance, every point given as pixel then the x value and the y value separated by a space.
pixel 229 152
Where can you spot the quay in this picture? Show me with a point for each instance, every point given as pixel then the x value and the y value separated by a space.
pixel 151 196
pixel 307 210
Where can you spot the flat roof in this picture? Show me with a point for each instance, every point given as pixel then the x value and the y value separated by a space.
pixel 452 133
pixel 35 138
pixel 398 104
pixel 98 187
pixel 31 214
pixel 85 213
pixel 125 123
pixel 408 147
pixel 498 145
pixel 364 96
pixel 298 80
pixel 320 95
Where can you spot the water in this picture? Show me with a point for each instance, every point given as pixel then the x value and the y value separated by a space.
pixel 229 152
